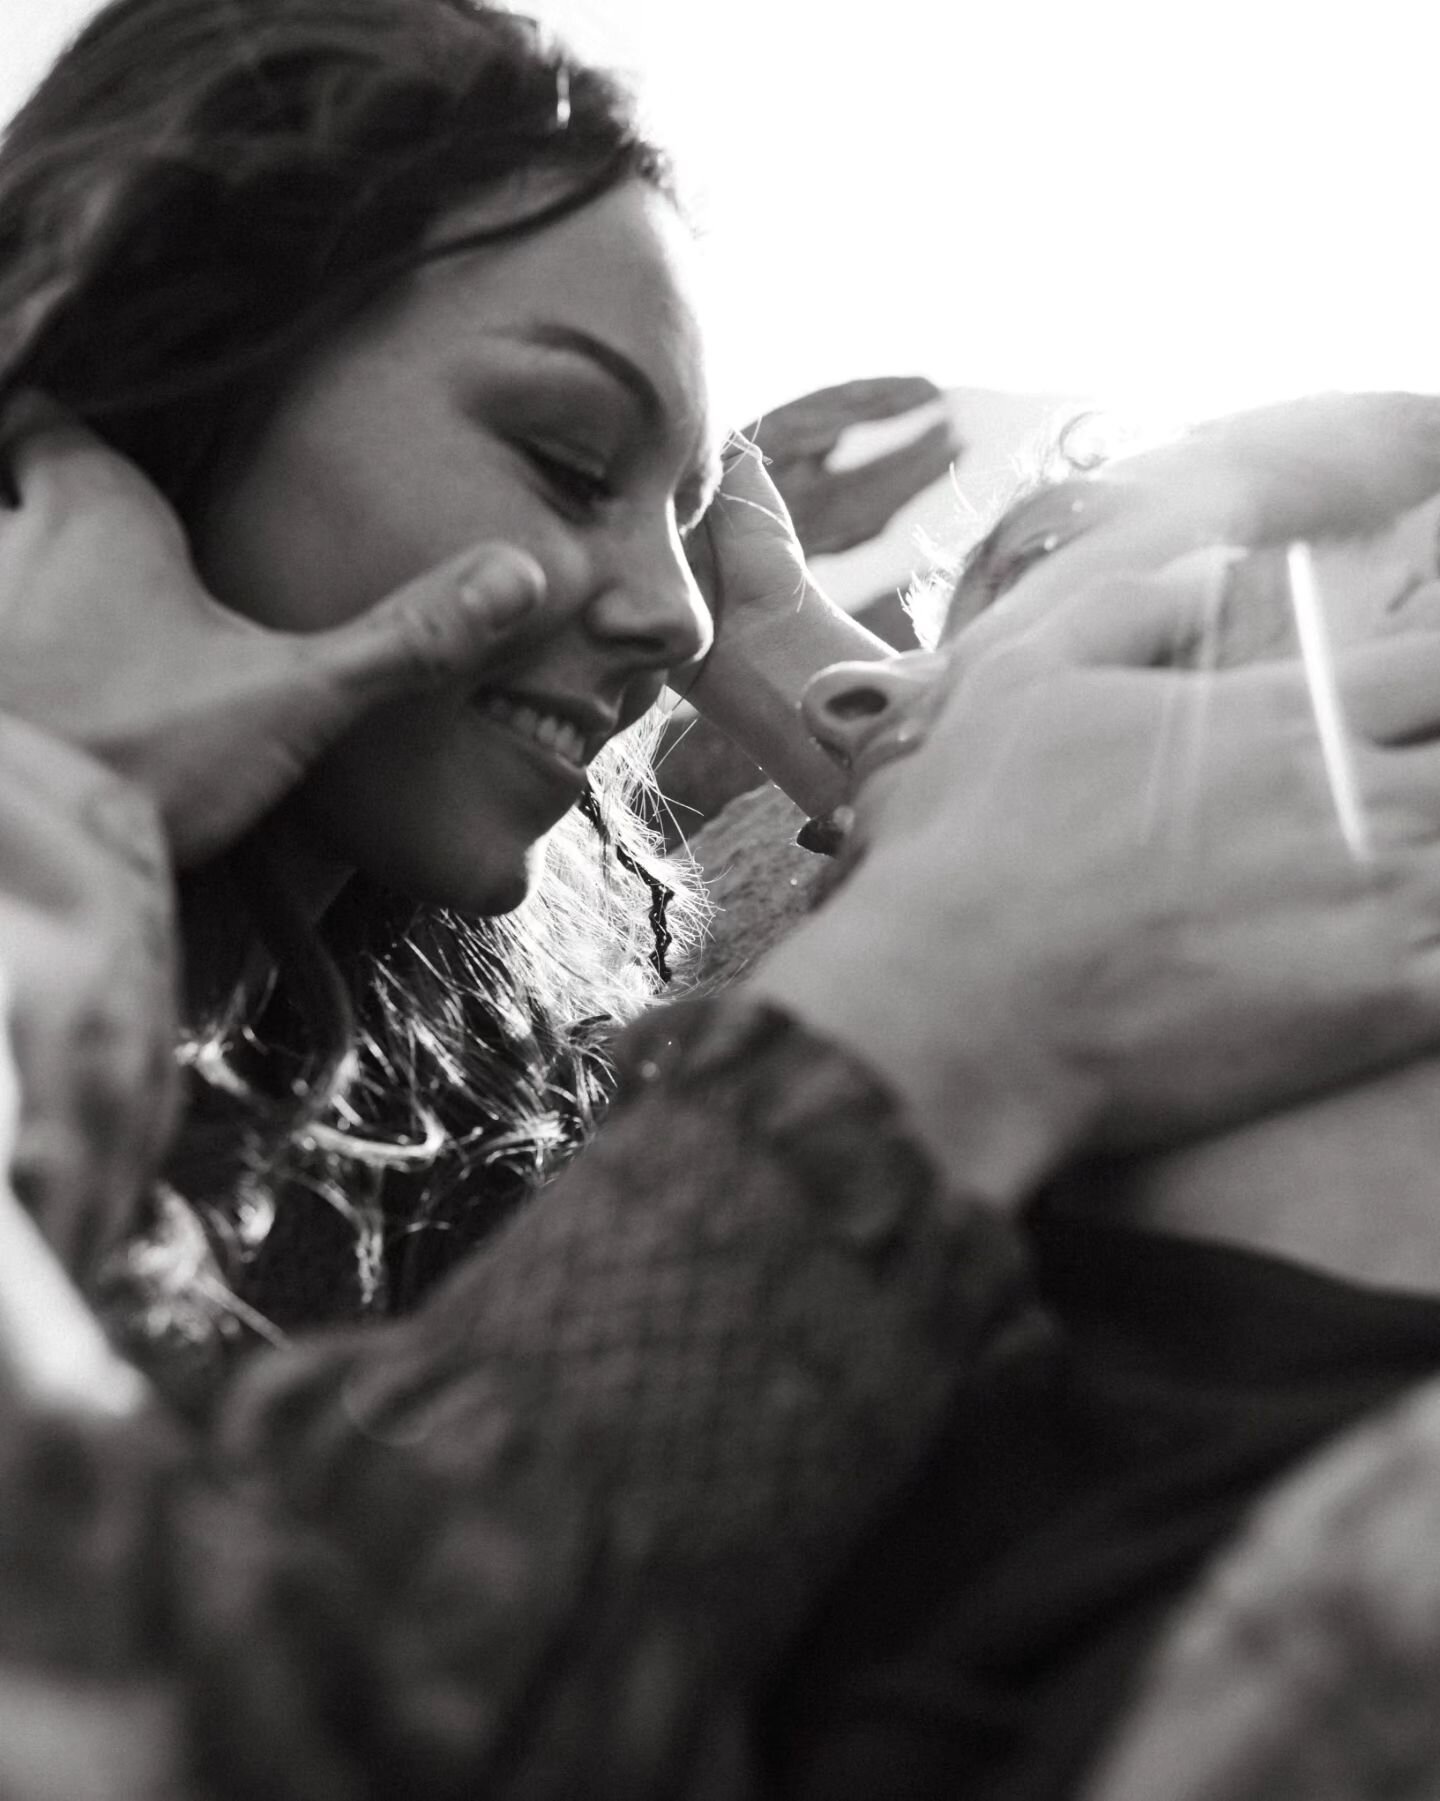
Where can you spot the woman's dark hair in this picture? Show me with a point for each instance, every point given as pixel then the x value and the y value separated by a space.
pixel 195 197
pixel 203 189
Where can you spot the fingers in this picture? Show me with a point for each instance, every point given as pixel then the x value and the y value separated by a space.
pixel 1390 688
pixel 863 500
pixel 443 625
pixel 36 761
pixel 37 437
pixel 748 517
pixel 748 478
pixel 836 509
pixel 1378 455
pixel 1139 622
pixel 813 424
pixel 60 477
pixel 747 549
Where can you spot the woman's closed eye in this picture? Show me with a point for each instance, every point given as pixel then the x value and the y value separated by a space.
pixel 1034 529
pixel 993 572
pixel 1004 571
pixel 581 486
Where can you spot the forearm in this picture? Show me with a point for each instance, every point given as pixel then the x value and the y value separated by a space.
pixel 792 1293
pixel 932 993
pixel 652 1421
pixel 549 1533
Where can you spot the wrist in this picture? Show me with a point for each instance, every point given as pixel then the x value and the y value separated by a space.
pixel 750 687
pixel 991 1104
pixel 801 1098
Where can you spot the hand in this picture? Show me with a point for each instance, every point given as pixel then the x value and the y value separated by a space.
pixel 836 509
pixel 774 630
pixel 108 638
pixel 87 966
pixel 1108 905
pixel 87 1087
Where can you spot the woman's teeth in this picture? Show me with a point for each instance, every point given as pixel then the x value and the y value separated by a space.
pixel 545 728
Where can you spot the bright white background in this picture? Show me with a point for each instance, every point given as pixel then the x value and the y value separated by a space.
pixel 1189 204
pixel 1169 207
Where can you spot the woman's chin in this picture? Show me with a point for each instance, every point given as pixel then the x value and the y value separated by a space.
pixel 495 897
pixel 483 890
pixel 481 883
pixel 479 860
pixel 483 886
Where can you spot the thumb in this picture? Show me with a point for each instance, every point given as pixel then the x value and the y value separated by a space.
pixel 747 479
pixel 1164 620
pixel 446 623
pixel 749 509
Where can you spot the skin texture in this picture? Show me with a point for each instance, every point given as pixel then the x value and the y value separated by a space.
pixel 217 716
pixel 112 643
pixel 456 407
pixel 1288 1182
pixel 779 630
pixel 461 410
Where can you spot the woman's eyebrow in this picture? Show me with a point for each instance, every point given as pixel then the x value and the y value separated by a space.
pixel 698 488
pixel 570 340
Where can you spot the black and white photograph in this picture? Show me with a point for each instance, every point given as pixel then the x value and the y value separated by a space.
pixel 719 901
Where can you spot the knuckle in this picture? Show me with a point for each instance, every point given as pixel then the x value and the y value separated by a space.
pixel 122 819
pixel 429 638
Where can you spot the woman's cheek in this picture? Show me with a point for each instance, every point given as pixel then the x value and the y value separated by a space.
pixel 572 569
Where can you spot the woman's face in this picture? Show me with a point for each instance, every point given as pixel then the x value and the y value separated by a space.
pixel 1355 476
pixel 549 393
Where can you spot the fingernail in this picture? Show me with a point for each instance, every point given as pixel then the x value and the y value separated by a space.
pixel 826 835
pixel 503 585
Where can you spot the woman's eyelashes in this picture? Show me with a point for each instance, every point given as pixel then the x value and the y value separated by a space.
pixel 584 486
pixel 996 570
pixel 581 486
pixel 1036 527
pixel 1005 570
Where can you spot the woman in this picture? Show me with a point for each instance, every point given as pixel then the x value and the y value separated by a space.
pixel 355 287
pixel 538 1535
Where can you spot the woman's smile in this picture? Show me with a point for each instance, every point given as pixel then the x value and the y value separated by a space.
pixel 561 735
pixel 538 726
pixel 549 394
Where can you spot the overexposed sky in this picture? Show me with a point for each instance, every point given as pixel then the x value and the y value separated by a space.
pixel 1168 204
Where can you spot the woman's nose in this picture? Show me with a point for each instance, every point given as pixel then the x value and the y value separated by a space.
pixel 654 611
pixel 849 705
